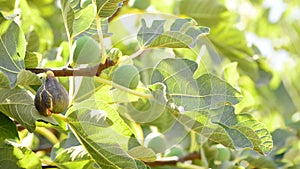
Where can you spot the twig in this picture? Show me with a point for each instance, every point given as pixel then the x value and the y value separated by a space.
pixel 192 156
pixel 89 71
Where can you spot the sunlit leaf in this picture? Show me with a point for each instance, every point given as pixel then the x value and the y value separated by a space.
pixel 27 78
pixel 13 155
pixel 7 5
pixel 142 153
pixel 12 49
pixel 18 104
pixel 32 59
pixel 205 92
pixel 233 131
pixel 103 144
pixel 68 16
pixel 74 157
pixel 205 12
pixel 106 8
pixel 182 33
pixel 231 43
pixel 33 21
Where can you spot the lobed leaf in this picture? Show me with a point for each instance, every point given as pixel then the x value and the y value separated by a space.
pixel 183 33
pixel 207 91
pixel 233 131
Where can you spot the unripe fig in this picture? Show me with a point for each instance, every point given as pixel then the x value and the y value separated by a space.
pixel 86 51
pixel 127 76
pixel 156 141
pixel 51 97
pixel 223 154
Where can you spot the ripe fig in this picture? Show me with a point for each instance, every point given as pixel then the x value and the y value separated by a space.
pixel 127 76
pixel 51 97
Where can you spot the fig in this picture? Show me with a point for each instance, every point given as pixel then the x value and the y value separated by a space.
pixel 223 154
pixel 127 76
pixel 156 141
pixel 175 151
pixel 86 51
pixel 51 97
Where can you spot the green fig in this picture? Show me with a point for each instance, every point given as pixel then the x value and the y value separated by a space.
pixel 51 97
pixel 127 76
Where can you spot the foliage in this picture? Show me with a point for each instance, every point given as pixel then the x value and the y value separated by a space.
pixel 207 89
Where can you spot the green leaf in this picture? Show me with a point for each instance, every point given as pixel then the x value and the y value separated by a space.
pixel 13 155
pixel 7 5
pixel 79 19
pixel 32 59
pixel 104 147
pixel 33 21
pixel 231 43
pixel 72 154
pixel 205 12
pixel 256 132
pixel 146 110
pixel 83 19
pixel 26 78
pixel 233 131
pixel 33 41
pixel 4 81
pixel 207 91
pixel 183 33
pixel 89 118
pixel 106 8
pixel 12 49
pixel 8 129
pixel 142 153
pixel 74 157
pixel 68 16
pixel 18 104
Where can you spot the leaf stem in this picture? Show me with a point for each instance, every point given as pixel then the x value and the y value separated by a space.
pixel 47 134
pixel 132 56
pixel 100 35
pixel 107 82
pixel 60 116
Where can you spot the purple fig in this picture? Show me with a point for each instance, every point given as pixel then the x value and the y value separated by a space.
pixel 51 97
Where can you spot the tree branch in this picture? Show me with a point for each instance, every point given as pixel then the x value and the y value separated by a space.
pixel 192 156
pixel 89 71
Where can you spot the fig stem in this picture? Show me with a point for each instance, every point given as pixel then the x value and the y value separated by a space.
pixel 132 56
pixel 107 82
pixel 60 116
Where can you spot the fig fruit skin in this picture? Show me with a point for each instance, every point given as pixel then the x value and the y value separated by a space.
pixel 51 97
pixel 156 141
pixel 86 51
pixel 127 76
